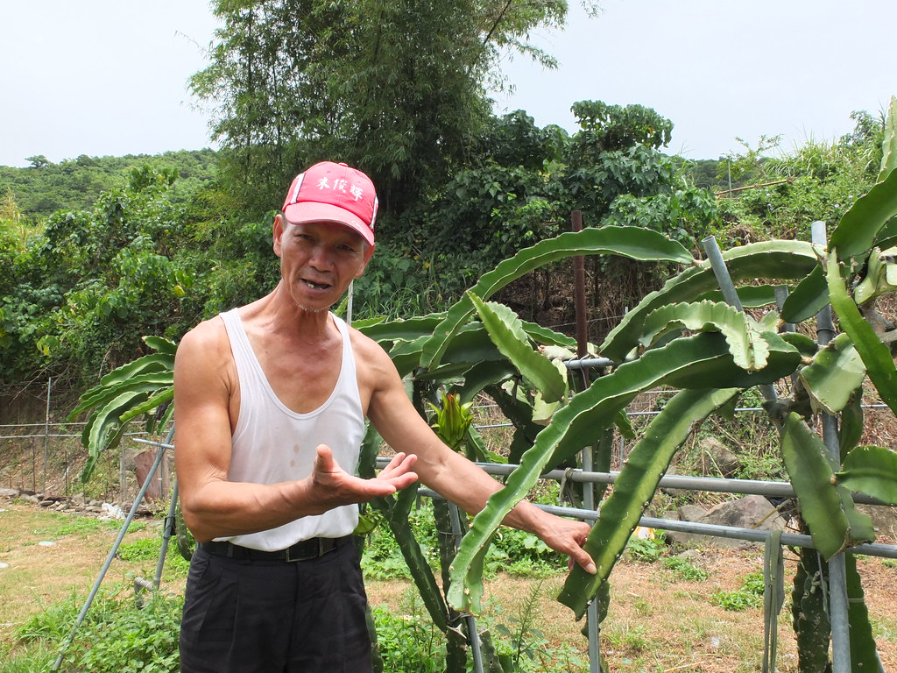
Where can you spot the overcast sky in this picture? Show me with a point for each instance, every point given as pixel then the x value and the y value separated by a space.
pixel 108 77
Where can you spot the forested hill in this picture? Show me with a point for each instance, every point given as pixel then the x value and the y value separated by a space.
pixel 74 184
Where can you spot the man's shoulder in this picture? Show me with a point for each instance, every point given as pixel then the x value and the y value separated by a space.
pixel 370 358
pixel 209 328
pixel 363 344
pixel 208 337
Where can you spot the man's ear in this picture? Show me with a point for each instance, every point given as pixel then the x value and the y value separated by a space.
pixel 277 233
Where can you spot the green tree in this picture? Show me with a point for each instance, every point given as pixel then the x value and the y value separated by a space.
pixel 38 161
pixel 80 295
pixel 523 182
pixel 398 89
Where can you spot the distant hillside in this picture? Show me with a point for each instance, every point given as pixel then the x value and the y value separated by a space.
pixel 75 184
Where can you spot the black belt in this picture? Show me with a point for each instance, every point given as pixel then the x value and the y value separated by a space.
pixel 301 551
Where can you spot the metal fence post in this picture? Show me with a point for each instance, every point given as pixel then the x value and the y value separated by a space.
pixel 112 552
pixel 730 294
pixel 588 491
pixel 825 332
pixel 47 432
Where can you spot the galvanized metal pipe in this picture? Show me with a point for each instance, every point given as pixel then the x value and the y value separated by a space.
pixel 112 553
pixel 718 264
pixel 710 530
pixel 837 572
pixel 167 532
pixel 730 294
pixel 473 633
pixel 773 489
pixel 586 363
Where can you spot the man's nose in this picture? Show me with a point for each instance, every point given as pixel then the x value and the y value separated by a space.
pixel 321 257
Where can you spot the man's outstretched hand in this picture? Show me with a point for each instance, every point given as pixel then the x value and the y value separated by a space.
pixel 330 486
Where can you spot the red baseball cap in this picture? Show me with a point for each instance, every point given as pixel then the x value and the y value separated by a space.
pixel 329 192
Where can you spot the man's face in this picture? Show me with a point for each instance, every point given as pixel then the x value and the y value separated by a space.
pixel 318 261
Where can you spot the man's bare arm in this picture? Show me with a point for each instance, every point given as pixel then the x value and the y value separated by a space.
pixel 451 474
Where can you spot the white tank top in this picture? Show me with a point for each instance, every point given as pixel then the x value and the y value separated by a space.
pixel 272 443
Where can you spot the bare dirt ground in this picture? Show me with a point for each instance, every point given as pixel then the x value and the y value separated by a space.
pixel 657 621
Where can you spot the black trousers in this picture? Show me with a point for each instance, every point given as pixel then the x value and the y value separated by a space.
pixel 273 616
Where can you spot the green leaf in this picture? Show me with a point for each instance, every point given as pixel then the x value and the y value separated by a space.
pixel 805 345
pixel 863 651
pixel 405 355
pixel 483 375
pixel 631 242
pixel 851 427
pixel 783 360
pixel 808 298
pixel 474 344
pixel 874 353
pixel 750 296
pixel 161 344
pixel 887 235
pixel 507 334
pixel 103 430
pixel 634 488
pixel 400 330
pixel 835 373
pixel 100 395
pixel 746 344
pixel 771 259
pixel 827 508
pixel 859 226
pixel 548 337
pixel 871 470
pixel 156 362
pixel 520 413
pixel 153 402
pixel 879 277
pixel 395 509
pixel 889 145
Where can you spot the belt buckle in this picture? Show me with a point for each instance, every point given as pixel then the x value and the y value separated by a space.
pixel 307 556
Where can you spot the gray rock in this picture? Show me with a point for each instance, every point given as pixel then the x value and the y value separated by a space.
pixel 691 512
pixel 689 554
pixel 673 492
pixel 884 519
pixel 752 511
pixel 9 493
pixel 719 459
pixel 687 540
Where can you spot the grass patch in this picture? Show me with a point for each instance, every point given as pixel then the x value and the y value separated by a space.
pixel 512 551
pixel 750 595
pixel 57 526
pixel 684 569
pixel 148 549
pixel 646 550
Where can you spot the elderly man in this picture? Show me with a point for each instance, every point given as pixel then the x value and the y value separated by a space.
pixel 270 407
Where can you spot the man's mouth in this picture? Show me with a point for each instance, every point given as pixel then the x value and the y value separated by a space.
pixel 315 285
